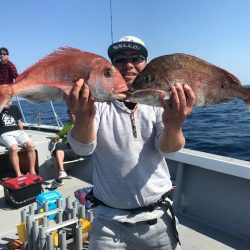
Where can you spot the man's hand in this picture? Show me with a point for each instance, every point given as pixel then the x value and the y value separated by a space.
pixel 180 106
pixel 173 117
pixel 81 104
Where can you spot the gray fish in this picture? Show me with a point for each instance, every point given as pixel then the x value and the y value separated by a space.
pixel 211 84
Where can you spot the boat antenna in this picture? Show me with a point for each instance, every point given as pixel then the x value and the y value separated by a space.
pixel 111 21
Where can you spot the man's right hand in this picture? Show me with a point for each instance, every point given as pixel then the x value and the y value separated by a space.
pixel 81 104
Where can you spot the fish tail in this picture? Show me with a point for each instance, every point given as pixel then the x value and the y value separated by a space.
pixel 247 100
pixel 6 92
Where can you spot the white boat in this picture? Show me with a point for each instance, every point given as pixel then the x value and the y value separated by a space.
pixel 210 198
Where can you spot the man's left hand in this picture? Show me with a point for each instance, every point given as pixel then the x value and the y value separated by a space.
pixel 179 107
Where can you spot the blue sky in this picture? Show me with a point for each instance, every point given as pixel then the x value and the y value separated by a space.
pixel 215 30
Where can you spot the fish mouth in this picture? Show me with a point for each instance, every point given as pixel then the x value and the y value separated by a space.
pixel 146 92
pixel 147 96
pixel 121 96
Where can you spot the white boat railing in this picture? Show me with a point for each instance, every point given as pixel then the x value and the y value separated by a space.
pixel 218 163
pixel 59 123
pixel 21 110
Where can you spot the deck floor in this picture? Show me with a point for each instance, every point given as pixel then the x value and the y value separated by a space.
pixel 194 236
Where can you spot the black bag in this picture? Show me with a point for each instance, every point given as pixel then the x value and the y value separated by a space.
pixel 22 190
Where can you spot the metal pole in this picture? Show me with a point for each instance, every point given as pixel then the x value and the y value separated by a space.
pixel 75 203
pixel 23 215
pixel 42 238
pixel 20 107
pixel 58 121
pixel 35 234
pixel 73 212
pixel 81 211
pixel 50 244
pixel 29 231
pixel 62 240
pixel 45 221
pixel 32 209
pixel 79 237
pixel 59 202
pixel 68 207
pixel 59 217
pixel 46 206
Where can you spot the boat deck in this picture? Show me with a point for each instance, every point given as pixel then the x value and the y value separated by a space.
pixel 200 226
pixel 194 235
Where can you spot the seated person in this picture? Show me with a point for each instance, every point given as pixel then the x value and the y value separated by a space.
pixel 12 135
pixel 62 151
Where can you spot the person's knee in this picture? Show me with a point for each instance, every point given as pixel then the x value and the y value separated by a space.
pixel 29 146
pixel 13 148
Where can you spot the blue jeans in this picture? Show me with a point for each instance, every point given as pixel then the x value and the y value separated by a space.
pixel 109 234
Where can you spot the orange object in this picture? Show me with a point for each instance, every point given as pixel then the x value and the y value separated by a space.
pixel 15 245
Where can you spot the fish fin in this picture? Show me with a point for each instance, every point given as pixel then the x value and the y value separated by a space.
pixel 40 93
pixel 3 101
pixel 49 60
pixel 248 104
pixel 247 99
pixel 234 78
pixel 231 76
pixel 6 92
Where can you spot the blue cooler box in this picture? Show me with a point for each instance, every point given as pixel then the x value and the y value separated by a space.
pixel 51 198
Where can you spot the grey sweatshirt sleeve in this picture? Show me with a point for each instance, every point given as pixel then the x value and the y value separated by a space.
pixel 159 129
pixel 80 148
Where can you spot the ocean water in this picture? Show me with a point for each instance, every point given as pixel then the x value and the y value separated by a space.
pixel 222 129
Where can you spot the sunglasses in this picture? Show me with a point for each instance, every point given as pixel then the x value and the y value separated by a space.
pixel 4 54
pixel 135 59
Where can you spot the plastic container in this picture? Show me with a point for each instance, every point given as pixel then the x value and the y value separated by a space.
pixel 51 198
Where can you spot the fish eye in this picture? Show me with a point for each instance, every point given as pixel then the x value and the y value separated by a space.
pixel 108 73
pixel 147 78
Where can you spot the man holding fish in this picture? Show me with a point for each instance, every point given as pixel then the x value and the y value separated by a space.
pixel 128 142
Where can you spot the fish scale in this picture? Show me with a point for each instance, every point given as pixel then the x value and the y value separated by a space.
pixel 211 84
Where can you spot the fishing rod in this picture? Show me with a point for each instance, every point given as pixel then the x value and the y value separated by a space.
pixel 111 21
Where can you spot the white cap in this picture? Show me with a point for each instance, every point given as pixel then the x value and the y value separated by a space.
pixel 131 39
pixel 128 43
